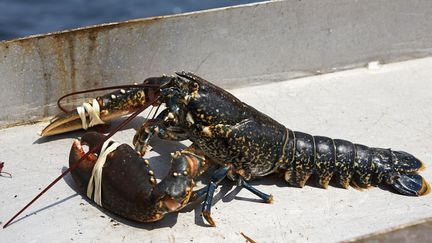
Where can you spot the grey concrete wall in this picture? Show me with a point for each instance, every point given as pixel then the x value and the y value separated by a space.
pixel 231 47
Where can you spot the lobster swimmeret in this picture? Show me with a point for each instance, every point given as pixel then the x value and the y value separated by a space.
pixel 245 143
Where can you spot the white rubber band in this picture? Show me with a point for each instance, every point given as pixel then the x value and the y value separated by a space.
pixel 93 111
pixel 95 182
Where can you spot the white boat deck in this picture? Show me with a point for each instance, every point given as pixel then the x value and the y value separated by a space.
pixel 389 107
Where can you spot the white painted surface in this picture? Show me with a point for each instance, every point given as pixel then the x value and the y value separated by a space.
pixel 388 107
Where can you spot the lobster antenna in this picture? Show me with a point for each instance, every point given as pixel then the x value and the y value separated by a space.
pixel 101 89
pixel 148 115
pixel 157 109
pixel 98 146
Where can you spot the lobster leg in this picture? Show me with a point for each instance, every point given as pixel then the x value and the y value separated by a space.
pixel 217 178
pixel 160 126
pixel 267 198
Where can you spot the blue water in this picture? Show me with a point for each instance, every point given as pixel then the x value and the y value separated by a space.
pixel 19 18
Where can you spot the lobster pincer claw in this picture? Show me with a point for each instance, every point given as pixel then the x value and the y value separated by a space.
pixel 108 107
pixel 126 185
pixel 98 111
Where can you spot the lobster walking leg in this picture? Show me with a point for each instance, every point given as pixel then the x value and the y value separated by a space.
pixel 129 186
pixel 159 126
pixel 350 162
pixel 215 181
pixel 267 198
pixel 217 178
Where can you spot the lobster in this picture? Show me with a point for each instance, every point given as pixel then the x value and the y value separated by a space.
pixel 242 142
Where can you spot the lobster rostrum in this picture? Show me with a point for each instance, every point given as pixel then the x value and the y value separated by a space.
pixel 245 143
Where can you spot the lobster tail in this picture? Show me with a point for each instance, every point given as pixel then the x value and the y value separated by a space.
pixel 407 162
pixel 350 163
pixel 411 185
pixel 396 168
pixel 405 179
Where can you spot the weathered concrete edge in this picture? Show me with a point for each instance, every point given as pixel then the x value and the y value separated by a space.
pixel 233 46
pixel 411 230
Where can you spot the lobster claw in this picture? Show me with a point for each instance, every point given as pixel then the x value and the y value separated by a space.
pixel 126 188
pixel 106 108
pixel 101 110
pixel 127 185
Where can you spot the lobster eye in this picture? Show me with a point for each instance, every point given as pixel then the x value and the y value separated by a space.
pixel 194 86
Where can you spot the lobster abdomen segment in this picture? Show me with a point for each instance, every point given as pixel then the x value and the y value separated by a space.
pixel 350 163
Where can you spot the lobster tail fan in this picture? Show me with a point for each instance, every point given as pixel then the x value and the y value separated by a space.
pixel 406 162
pixel 407 181
pixel 411 185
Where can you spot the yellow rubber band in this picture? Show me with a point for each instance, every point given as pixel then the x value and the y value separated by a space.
pixel 93 111
pixel 95 182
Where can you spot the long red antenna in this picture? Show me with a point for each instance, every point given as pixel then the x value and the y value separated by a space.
pixel 116 129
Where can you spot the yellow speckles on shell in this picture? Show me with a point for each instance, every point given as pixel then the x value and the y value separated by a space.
pixel 207 131
pixel 160 204
pixel 228 133
pixel 140 94
pixel 187 98
pixel 170 116
pixel 189 118
pixel 175 155
pixel 287 175
pixel 195 94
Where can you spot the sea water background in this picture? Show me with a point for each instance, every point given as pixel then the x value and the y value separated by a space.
pixel 19 18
